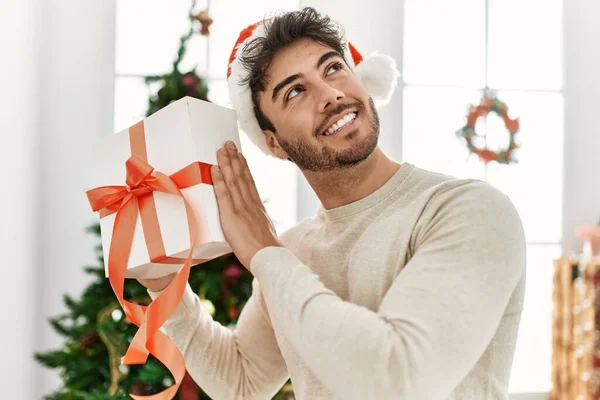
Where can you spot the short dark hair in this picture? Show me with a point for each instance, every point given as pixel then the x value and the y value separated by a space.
pixel 281 31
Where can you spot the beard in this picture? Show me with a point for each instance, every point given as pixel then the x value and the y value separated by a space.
pixel 309 157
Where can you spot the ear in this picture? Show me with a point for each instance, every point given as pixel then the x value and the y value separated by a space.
pixel 274 146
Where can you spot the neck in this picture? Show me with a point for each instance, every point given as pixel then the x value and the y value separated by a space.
pixel 347 185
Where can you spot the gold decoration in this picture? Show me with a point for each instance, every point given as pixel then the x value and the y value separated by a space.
pixel 115 349
pixel 204 20
pixel 286 393
pixel 575 332
pixel 208 306
pixel 114 360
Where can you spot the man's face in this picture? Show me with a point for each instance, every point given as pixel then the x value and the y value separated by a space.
pixel 322 113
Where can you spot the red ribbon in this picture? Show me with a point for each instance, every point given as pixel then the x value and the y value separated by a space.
pixel 127 201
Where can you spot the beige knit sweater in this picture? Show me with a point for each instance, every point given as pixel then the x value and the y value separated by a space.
pixel 414 292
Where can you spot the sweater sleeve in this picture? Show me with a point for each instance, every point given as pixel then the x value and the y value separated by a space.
pixel 244 363
pixel 436 319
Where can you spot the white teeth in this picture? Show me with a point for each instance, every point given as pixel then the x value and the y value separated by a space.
pixel 341 123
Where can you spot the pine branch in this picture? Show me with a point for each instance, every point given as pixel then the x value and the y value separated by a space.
pixel 70 303
pixel 94 228
pixel 153 371
pixel 154 78
pixel 183 40
pixel 60 394
pixel 76 308
pixel 99 395
pixel 59 327
pixel 96 271
pixel 52 359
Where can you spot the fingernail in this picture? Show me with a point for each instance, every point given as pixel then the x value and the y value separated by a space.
pixel 232 145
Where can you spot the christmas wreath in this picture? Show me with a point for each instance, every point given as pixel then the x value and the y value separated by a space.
pixel 489 103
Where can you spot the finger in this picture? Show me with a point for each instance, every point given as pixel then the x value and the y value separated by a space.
pixel 221 190
pixel 249 179
pixel 229 179
pixel 238 173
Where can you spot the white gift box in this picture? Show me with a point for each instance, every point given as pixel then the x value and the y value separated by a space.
pixel 184 132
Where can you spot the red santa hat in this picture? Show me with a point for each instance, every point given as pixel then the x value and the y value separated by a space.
pixel 378 73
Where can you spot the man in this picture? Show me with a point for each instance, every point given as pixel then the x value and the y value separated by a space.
pixel 407 284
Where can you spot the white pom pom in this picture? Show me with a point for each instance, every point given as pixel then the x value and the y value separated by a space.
pixel 380 76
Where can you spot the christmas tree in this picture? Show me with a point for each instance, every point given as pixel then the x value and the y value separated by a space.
pixel 95 329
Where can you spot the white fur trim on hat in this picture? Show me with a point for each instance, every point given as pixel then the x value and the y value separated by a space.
pixel 241 96
pixel 380 76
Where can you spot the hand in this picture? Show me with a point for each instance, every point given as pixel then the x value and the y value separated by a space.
pixel 244 220
pixel 158 284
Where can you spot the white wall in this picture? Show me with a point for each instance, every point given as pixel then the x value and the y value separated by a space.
pixel 379 28
pixel 56 75
pixel 19 179
pixel 582 126
pixel 76 103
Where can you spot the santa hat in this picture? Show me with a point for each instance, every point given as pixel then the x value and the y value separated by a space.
pixel 377 72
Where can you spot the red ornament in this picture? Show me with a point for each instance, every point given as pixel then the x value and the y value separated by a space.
pixel 188 389
pixel 232 273
pixel 233 312
pixel 190 81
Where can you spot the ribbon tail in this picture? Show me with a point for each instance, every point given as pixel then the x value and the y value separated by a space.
pixel 161 309
pixel 120 246
pixel 137 353
pixel 159 345
pixel 118 258
pixel 166 352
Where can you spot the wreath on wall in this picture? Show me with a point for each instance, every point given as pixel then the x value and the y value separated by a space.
pixel 490 103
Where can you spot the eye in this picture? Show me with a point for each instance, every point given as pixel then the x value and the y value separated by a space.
pixel 334 68
pixel 295 91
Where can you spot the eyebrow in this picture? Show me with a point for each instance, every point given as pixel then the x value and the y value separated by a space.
pixel 277 89
pixel 283 84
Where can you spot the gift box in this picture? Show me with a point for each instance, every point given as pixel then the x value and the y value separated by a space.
pixel 177 144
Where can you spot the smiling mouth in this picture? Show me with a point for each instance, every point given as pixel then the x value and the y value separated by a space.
pixel 342 124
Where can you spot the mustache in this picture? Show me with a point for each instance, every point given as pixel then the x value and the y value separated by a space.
pixel 340 108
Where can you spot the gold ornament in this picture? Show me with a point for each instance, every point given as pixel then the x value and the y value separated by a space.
pixel 204 20
pixel 208 306
pixel 115 349
pixel 114 352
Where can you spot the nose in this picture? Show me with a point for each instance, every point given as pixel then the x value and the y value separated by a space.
pixel 330 97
